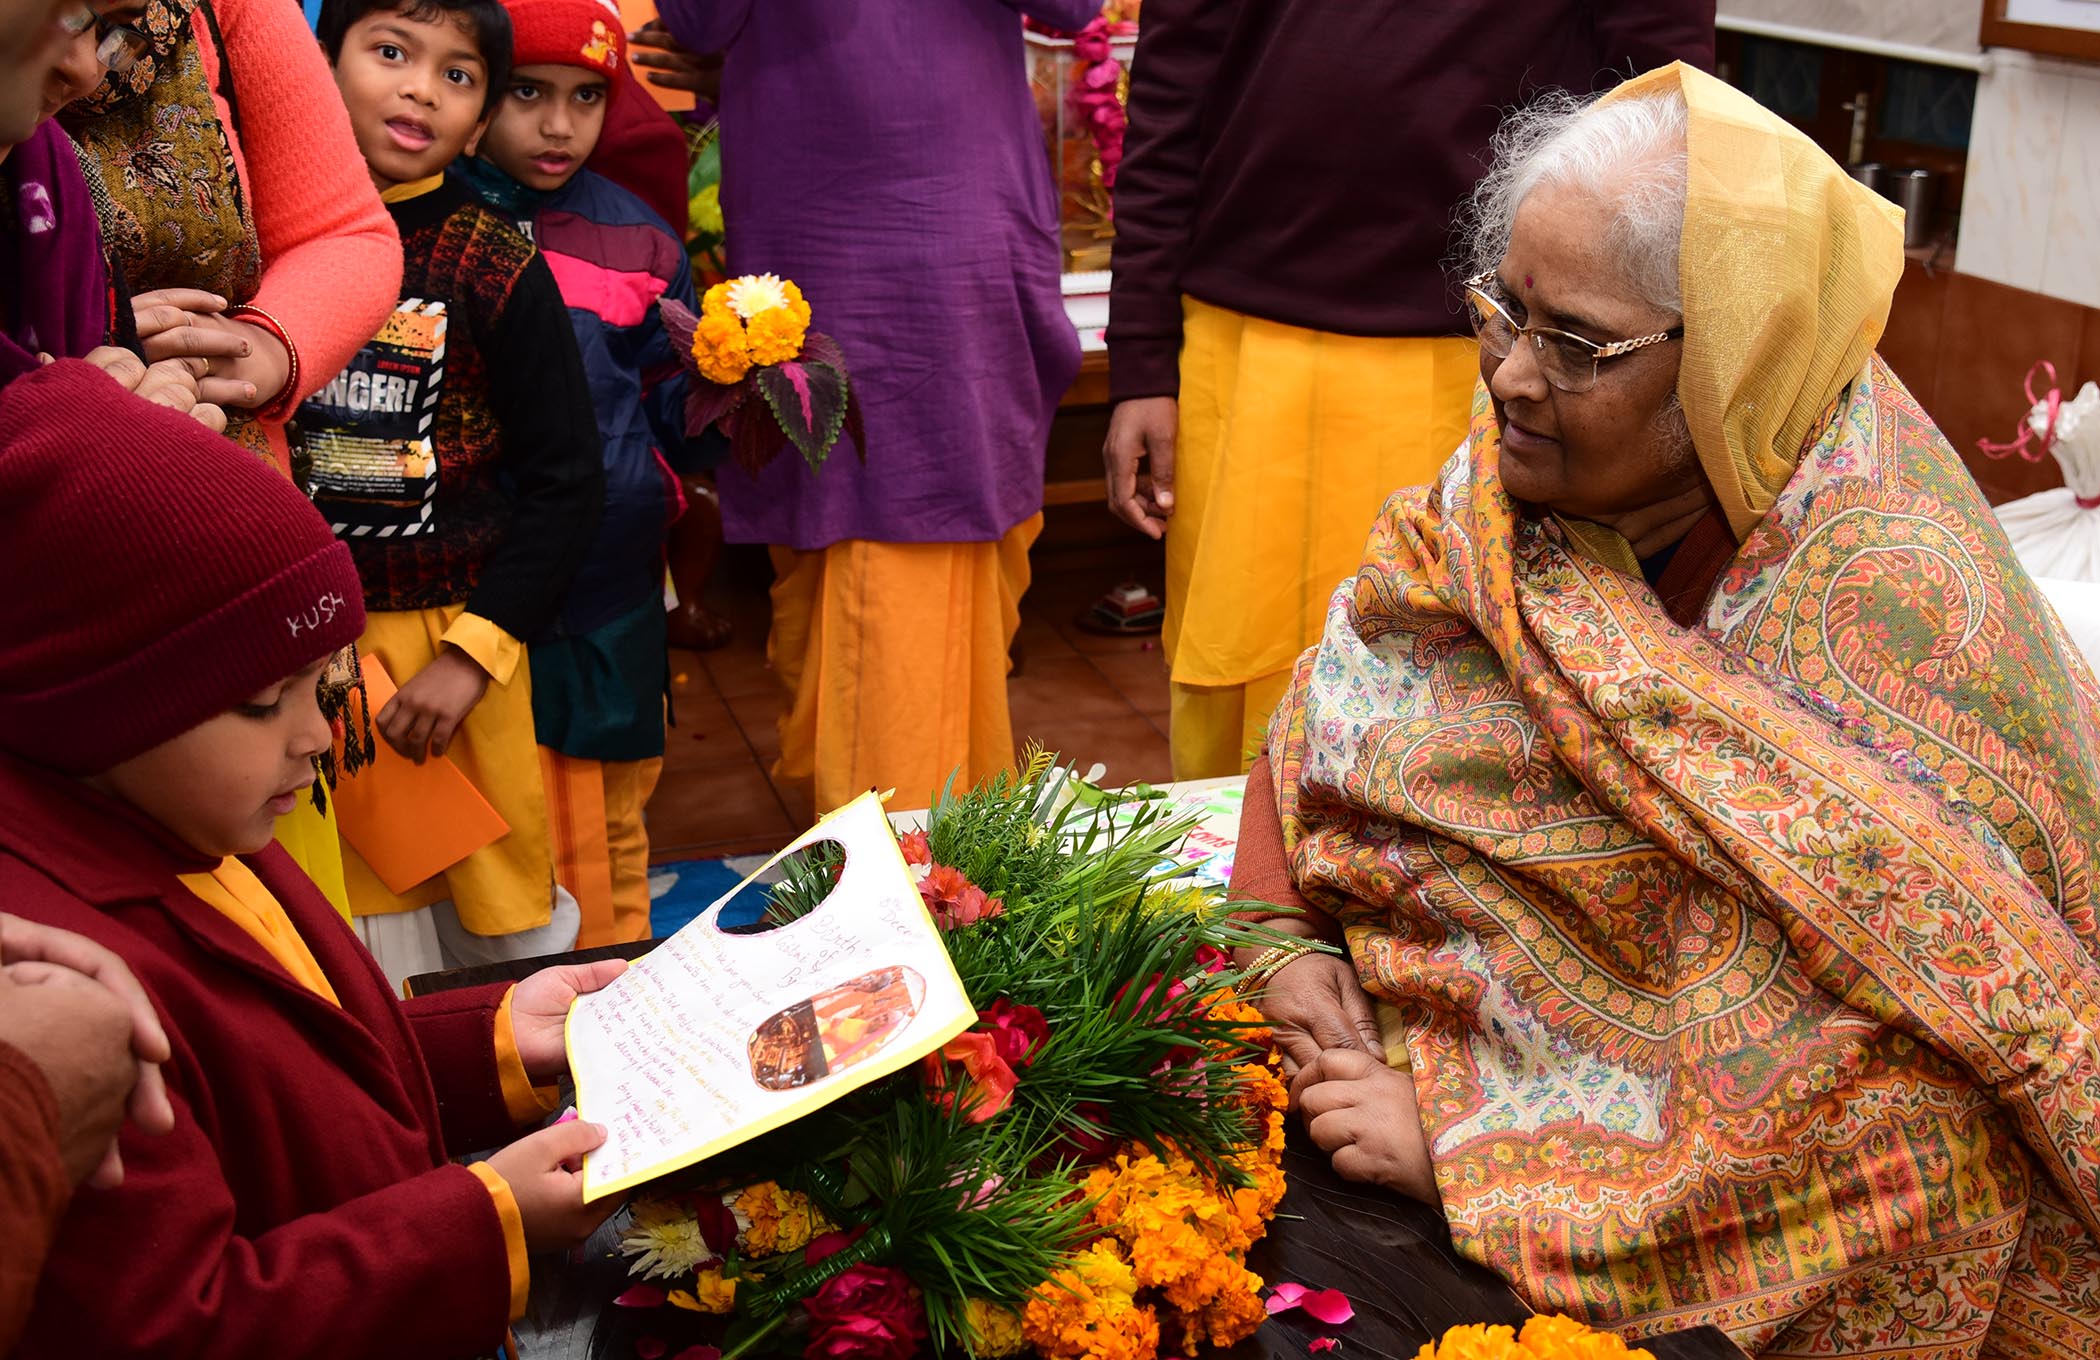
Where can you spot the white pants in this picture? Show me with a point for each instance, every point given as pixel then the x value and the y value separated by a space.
pixel 409 943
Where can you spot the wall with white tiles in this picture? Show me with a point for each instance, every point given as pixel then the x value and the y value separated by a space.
pixel 2030 213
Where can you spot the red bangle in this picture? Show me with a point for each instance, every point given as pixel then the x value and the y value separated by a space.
pixel 280 404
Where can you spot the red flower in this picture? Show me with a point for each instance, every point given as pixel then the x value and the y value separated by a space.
pixel 954 900
pixel 916 851
pixel 1088 1146
pixel 1017 1032
pixel 1212 959
pixel 716 1222
pixel 831 1243
pixel 865 1313
pixel 990 1083
pixel 1152 995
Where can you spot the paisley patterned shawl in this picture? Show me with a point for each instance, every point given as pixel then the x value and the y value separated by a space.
pixel 1747 970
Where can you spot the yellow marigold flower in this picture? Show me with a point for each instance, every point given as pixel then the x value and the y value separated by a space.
pixel 775 336
pixel 1563 1338
pixel 774 1220
pixel 1102 1269
pixel 715 301
pixel 1086 1311
pixel 1475 1341
pixel 716 1291
pixel 991 1329
pixel 720 350
pixel 666 1236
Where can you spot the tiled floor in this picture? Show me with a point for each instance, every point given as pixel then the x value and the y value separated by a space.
pixel 1087 697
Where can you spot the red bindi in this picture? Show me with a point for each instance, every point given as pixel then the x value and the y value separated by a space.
pixel 1527 280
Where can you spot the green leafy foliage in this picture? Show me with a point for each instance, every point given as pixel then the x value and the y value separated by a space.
pixel 1121 960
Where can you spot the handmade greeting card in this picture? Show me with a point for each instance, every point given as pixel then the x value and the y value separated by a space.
pixel 714 1038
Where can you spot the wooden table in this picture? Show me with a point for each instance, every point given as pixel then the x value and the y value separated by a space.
pixel 1392 1257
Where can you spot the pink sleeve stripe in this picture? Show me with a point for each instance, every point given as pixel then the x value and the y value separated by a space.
pixel 619 297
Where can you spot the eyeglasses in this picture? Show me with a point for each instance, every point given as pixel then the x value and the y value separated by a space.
pixel 1568 361
pixel 117 46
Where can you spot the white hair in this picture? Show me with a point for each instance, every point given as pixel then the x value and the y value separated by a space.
pixel 1629 152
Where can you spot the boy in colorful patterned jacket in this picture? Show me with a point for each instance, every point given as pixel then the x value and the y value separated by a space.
pixel 457 457
pixel 598 671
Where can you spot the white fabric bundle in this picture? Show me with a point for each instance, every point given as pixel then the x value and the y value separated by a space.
pixel 2077 603
pixel 2052 532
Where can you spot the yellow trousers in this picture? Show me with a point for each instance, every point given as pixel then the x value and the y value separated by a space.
pixel 508 885
pixel 1290 440
pixel 895 655
pixel 601 842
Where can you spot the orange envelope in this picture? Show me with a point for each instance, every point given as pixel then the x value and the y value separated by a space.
pixel 410 821
pixel 633 15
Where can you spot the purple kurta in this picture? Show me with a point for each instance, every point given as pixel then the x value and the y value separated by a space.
pixel 886 156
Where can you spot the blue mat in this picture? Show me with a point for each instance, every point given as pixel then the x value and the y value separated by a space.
pixel 695 884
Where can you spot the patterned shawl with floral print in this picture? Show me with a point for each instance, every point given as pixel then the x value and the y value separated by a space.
pixel 1746 970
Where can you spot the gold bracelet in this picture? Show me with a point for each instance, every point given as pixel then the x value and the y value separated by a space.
pixel 1269 963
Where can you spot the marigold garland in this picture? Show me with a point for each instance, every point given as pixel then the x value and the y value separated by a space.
pixel 1545 1337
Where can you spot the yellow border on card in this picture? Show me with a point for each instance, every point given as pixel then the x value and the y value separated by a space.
pixel 873 1071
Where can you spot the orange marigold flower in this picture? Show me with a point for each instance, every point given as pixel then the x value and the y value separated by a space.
pixel 1234 1314
pixel 1475 1341
pixel 771 1220
pixel 776 335
pixel 1088 1312
pixel 1552 1337
pixel 720 351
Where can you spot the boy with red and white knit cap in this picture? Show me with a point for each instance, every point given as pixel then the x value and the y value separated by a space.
pixel 599 669
pixel 157 714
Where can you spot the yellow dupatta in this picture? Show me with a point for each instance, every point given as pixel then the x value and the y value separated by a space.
pixel 1747 969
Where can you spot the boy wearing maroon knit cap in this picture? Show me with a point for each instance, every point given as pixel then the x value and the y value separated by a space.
pixel 599 668
pixel 158 712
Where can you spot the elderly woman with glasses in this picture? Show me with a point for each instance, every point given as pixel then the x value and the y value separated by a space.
pixel 1701 798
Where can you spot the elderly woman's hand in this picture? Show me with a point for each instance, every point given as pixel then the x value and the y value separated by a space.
pixel 1315 1003
pixel 1365 1117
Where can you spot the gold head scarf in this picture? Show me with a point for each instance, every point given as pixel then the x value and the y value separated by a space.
pixel 1787 269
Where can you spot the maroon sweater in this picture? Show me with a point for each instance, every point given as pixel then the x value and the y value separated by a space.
pixel 34 1186
pixel 303 1204
pixel 1301 160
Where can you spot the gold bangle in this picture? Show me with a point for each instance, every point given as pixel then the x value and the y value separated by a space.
pixel 1271 962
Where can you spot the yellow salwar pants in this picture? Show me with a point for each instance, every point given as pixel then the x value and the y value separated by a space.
pixel 895 658
pixel 601 841
pixel 1290 440
pixel 506 886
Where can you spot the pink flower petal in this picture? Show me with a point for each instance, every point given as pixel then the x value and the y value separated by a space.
pixel 651 1348
pixel 641 1296
pixel 1320 1343
pixel 1330 1306
pixel 1285 1297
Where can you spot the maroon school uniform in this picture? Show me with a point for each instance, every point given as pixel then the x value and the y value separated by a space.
pixel 303 1205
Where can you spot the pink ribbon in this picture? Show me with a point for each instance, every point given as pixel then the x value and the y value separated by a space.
pixel 2020 442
